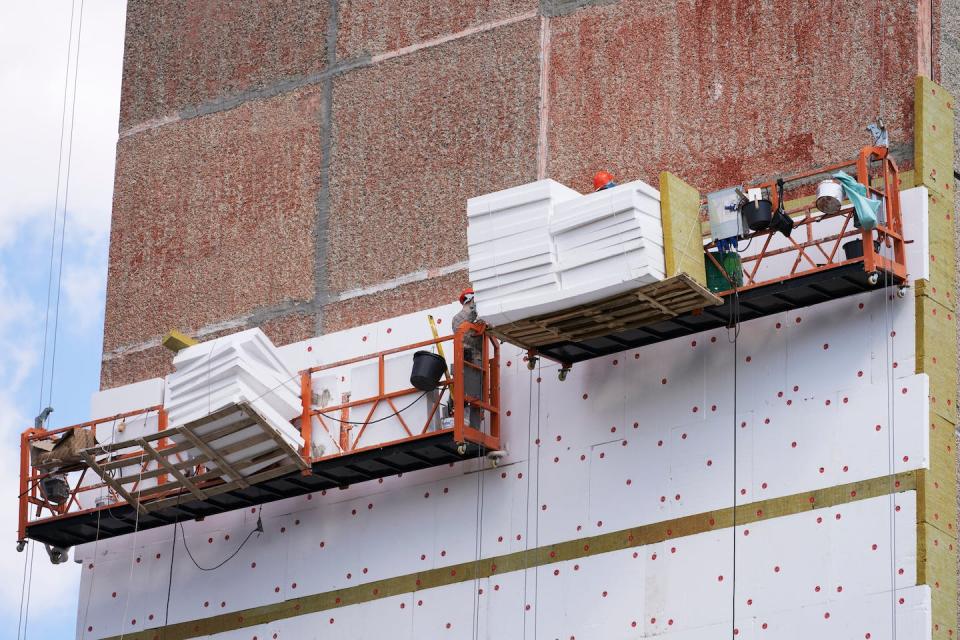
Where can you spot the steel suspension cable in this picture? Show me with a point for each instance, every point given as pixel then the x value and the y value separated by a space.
pixel 66 198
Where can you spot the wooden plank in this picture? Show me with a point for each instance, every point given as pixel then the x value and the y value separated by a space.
pixel 182 479
pixel 210 477
pixel 634 309
pixel 270 431
pixel 262 476
pixel 224 466
pixel 111 482
pixel 176 448
pixel 203 458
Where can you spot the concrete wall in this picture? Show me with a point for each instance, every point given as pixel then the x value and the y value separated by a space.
pixel 303 166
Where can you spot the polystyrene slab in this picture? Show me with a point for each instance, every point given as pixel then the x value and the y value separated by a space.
pixel 611 222
pixel 534 191
pixel 131 397
pixel 915 213
pixel 634 196
pixel 496 289
pixel 639 250
pixel 488 283
pixel 524 263
pixel 568 297
pixel 505 227
pixel 609 235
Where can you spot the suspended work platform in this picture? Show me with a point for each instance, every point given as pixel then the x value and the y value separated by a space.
pixel 232 459
pixel 782 272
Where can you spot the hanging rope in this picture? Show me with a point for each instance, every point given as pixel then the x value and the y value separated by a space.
pixel 133 554
pixel 66 198
pixel 526 526
pixel 536 520
pixel 891 446
pixel 93 577
pixel 734 323
pixel 478 545
pixel 27 581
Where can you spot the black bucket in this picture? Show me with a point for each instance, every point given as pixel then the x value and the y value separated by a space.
pixel 854 248
pixel 757 214
pixel 427 369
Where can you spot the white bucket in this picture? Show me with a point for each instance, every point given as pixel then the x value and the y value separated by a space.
pixel 829 196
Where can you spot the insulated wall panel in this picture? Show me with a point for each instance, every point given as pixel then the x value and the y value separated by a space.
pixel 633 453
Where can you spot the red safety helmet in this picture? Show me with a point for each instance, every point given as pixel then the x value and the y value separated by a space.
pixel 466 292
pixel 601 179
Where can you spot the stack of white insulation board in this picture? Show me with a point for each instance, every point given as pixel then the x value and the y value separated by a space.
pixel 608 239
pixel 542 247
pixel 512 258
pixel 233 371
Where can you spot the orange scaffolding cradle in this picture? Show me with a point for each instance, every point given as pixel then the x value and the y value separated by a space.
pixel 811 268
pixel 153 479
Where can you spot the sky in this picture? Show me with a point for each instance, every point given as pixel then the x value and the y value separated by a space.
pixel 34 72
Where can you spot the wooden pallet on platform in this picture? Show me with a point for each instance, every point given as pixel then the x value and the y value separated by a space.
pixel 640 307
pixel 195 460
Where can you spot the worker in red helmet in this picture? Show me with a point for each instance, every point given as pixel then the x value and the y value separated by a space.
pixel 468 313
pixel 472 352
pixel 603 180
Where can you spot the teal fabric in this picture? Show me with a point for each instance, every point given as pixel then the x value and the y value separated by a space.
pixel 866 208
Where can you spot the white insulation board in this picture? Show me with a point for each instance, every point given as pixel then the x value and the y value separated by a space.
pixel 635 438
pixel 242 367
pixel 542 247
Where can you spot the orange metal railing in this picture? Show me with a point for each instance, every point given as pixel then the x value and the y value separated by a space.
pixel 31 476
pixel 336 419
pixel 822 252
pixel 34 506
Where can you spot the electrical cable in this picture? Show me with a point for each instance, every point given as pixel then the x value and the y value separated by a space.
pixel 173 553
pixel 258 530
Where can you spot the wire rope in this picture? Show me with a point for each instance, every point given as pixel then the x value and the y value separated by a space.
pixel 888 339
pixel 734 321
pixel 66 198
pixel 93 576
pixel 56 206
pixel 526 526
pixel 133 553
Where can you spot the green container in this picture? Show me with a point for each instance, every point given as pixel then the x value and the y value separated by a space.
pixel 716 280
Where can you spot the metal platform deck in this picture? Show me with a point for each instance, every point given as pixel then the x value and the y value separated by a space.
pixel 425 451
pixel 794 293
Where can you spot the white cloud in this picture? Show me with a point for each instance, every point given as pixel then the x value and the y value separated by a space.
pixel 33 47
pixel 83 296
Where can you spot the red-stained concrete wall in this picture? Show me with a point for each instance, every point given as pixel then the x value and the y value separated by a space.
pixel 303 165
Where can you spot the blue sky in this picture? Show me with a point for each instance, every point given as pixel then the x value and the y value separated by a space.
pixel 33 62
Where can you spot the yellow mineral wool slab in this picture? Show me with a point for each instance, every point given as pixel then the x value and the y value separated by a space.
pixel 175 341
pixel 680 216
